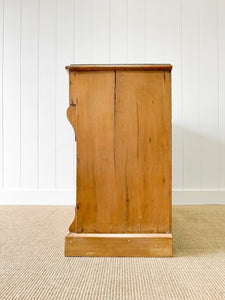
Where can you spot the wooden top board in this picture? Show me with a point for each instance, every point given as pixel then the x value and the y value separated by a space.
pixel 152 67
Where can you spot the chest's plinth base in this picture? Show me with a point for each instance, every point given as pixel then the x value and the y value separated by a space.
pixel 132 245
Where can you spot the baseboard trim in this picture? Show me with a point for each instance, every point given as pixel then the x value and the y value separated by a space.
pixel 197 197
pixel 35 197
pixel 67 197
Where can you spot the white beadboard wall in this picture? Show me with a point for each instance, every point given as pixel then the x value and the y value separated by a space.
pixel 39 37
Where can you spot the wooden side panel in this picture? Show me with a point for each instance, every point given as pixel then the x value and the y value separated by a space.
pixel 123 122
pixel 95 164
pixel 143 149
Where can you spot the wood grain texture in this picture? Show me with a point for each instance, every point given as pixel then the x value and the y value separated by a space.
pixel 123 126
pixel 95 166
pixel 143 149
pixel 133 245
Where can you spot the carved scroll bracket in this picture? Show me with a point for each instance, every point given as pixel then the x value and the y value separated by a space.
pixel 71 115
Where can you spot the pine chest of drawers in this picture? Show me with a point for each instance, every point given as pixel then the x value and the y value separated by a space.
pixel 121 115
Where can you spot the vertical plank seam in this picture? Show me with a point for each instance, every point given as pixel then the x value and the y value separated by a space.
pixel 56 97
pixel 20 100
pixel 109 31
pixel 74 27
pixel 163 33
pixel 145 30
pixel 218 89
pixel 127 33
pixel 92 33
pixel 182 91
pixel 199 86
pixel 74 144
pixel 38 97
pixel 3 47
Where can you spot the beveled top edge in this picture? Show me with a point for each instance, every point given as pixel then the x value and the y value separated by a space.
pixel 151 67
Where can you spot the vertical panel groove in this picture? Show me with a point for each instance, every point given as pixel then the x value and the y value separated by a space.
pixel 2 104
pixel 38 98
pixel 163 32
pixel 92 54
pixel 109 31
pixel 145 30
pixel 20 99
pixel 56 76
pixel 127 29
pixel 74 53
pixel 11 87
pixel 218 88
pixel 221 92
pixel 182 96
pixel 199 80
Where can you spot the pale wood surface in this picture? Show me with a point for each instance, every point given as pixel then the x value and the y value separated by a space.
pixel 143 150
pixel 133 245
pixel 123 151
pixel 96 211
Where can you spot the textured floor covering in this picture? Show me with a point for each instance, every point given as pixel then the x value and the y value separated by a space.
pixel 33 266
